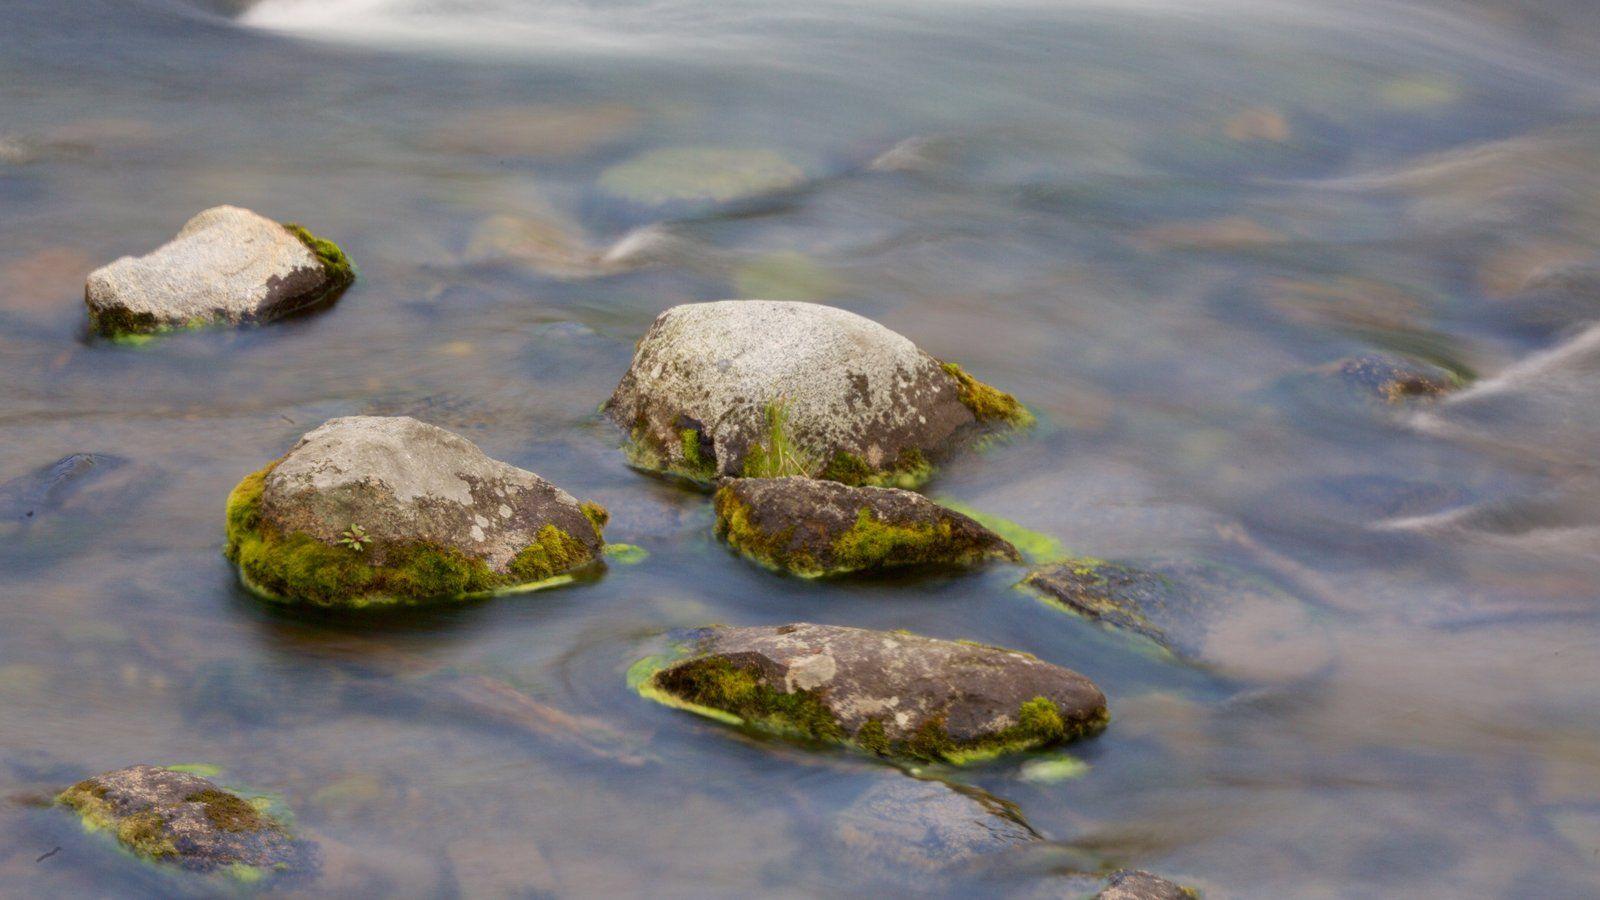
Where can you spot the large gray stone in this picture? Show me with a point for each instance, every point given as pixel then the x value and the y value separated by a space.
pixel 765 388
pixel 226 266
pixel 182 818
pixel 891 693
pixel 811 527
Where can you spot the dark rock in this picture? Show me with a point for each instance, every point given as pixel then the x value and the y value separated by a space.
pixel 765 389
pixel 812 527
pixel 185 819
pixel 25 497
pixel 1131 884
pixel 889 693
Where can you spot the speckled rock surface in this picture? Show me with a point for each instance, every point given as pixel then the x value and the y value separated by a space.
pixel 711 382
pixel 1393 379
pixel 182 818
pixel 403 480
pixel 226 266
pixel 1130 884
pixel 813 527
pixel 892 693
pixel 911 823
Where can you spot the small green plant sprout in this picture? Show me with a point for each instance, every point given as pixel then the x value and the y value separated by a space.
pixel 354 537
pixel 777 456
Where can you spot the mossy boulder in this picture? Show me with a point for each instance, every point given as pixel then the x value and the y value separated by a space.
pixel 892 694
pixel 761 388
pixel 179 817
pixel 1200 611
pixel 1133 884
pixel 374 510
pixel 226 266
pixel 811 527
pixel 903 824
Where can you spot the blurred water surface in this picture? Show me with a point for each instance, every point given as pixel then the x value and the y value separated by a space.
pixel 1156 221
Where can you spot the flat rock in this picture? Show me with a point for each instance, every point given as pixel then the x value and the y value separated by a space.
pixel 226 266
pixel 769 388
pixel 396 509
pixel 1132 884
pixel 1200 611
pixel 183 818
pixel 889 693
pixel 26 497
pixel 690 178
pixel 812 527
pixel 911 823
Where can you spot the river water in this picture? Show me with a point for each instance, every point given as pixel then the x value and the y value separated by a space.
pixel 1158 222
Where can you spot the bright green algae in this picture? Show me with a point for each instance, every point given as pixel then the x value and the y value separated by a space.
pixel 299 568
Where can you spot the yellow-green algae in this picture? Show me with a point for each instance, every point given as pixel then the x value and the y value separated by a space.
pixel 144 832
pixel 338 266
pixel 989 405
pixel 722 690
pixel 1035 546
pixel 299 568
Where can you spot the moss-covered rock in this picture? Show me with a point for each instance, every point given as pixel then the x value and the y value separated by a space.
pixel 371 511
pixel 1132 884
pixel 811 528
pixel 180 817
pixel 764 389
pixel 887 693
pixel 226 266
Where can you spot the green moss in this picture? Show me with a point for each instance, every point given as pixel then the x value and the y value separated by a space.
pixel 872 543
pixel 227 812
pixel 989 405
pixel 872 738
pixel 626 554
pixel 776 456
pixel 910 471
pixel 298 567
pixel 597 515
pixel 717 683
pixel 144 832
pixel 340 270
pixel 1035 546
pixel 1040 724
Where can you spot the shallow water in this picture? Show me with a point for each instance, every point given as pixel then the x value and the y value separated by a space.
pixel 1147 218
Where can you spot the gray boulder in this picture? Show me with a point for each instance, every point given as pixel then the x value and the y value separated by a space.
pixel 810 527
pixel 908 823
pixel 370 510
pixel 765 388
pixel 888 693
pixel 226 266
pixel 1132 884
pixel 182 818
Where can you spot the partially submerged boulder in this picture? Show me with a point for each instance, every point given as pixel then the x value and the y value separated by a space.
pixel 1199 611
pixel 226 266
pixel 811 528
pixel 887 693
pixel 909 823
pixel 374 510
pixel 761 388
pixel 1133 884
pixel 1393 379
pixel 179 817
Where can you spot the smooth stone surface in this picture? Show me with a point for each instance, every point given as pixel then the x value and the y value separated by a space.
pixel 843 383
pixel 901 680
pixel 404 481
pixel 700 175
pixel 813 527
pixel 182 818
pixel 227 265
pixel 1132 884
pixel 905 822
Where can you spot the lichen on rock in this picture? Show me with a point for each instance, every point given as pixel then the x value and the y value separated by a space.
pixel 226 266
pixel 168 815
pixel 890 694
pixel 766 389
pixel 376 511
pixel 812 528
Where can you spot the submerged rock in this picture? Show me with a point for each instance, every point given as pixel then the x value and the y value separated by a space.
pixel 908 823
pixel 227 266
pixel 812 528
pixel 1393 379
pixel 888 693
pixel 25 497
pixel 1132 884
pixel 1199 611
pixel 765 389
pixel 373 510
pixel 182 818
pixel 691 178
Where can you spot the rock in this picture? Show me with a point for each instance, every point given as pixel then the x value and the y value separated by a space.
pixel 810 527
pixel 227 266
pixel 687 179
pixel 25 497
pixel 766 388
pixel 371 510
pixel 903 823
pixel 183 818
pixel 1199 611
pixel 1393 379
pixel 888 693
pixel 1131 884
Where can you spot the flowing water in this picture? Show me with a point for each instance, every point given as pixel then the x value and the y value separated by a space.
pixel 1156 221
